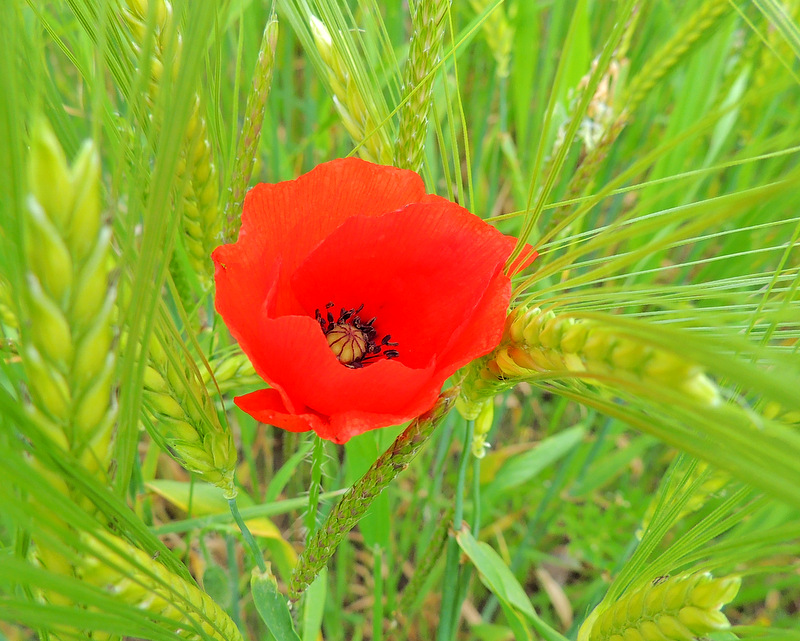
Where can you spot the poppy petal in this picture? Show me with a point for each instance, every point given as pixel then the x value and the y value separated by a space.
pixel 266 406
pixel 525 258
pixel 289 219
pixel 527 255
pixel 243 293
pixel 365 237
pixel 482 333
pixel 421 271
pixel 296 358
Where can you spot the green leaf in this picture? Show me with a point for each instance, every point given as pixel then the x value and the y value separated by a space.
pixel 523 467
pixel 612 465
pixel 314 606
pixel 362 451
pixel 499 579
pixel 282 476
pixel 272 606
pixel 217 585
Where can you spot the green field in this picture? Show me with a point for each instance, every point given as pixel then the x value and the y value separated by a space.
pixel 616 454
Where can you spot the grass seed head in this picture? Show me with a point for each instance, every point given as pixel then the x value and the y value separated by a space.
pixel 678 608
pixel 135 578
pixel 49 177
pixel 184 421
pixel 536 343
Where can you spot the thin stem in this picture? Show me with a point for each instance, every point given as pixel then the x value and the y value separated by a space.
pixel 233 580
pixel 458 515
pixel 377 605
pixel 248 537
pixel 476 496
pixel 451 603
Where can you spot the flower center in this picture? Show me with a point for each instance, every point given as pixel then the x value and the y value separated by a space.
pixel 351 339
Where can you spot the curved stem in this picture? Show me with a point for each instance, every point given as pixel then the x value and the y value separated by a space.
pixel 248 537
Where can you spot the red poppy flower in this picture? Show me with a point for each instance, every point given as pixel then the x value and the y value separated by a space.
pixel 356 295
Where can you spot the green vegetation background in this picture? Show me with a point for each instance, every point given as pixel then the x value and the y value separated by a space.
pixel 663 200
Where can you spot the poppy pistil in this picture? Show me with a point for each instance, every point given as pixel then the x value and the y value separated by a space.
pixel 351 340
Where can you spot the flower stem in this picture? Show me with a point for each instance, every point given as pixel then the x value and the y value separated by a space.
pixel 248 537
pixel 233 574
pixel 451 603
pixel 377 605
pixel 476 496
pixel 356 501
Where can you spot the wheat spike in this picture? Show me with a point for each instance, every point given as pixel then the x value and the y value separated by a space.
pixel 671 53
pixel 229 372
pixel 67 329
pixel 7 316
pixel 67 346
pixel 360 114
pixel 137 579
pixel 678 608
pixel 184 421
pixel 537 342
pixel 427 19
pixel 499 34
pixel 201 219
pixel 251 130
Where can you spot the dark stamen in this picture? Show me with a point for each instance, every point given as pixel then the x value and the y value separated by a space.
pixel 350 320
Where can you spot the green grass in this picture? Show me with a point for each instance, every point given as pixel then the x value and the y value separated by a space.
pixel 648 150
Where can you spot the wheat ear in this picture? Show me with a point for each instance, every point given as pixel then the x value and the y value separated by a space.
pixel 137 579
pixel 246 153
pixel 680 608
pixel 183 419
pixel 65 308
pixel 67 346
pixel 537 343
pixel 198 174
pixel 360 114
pixel 427 19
